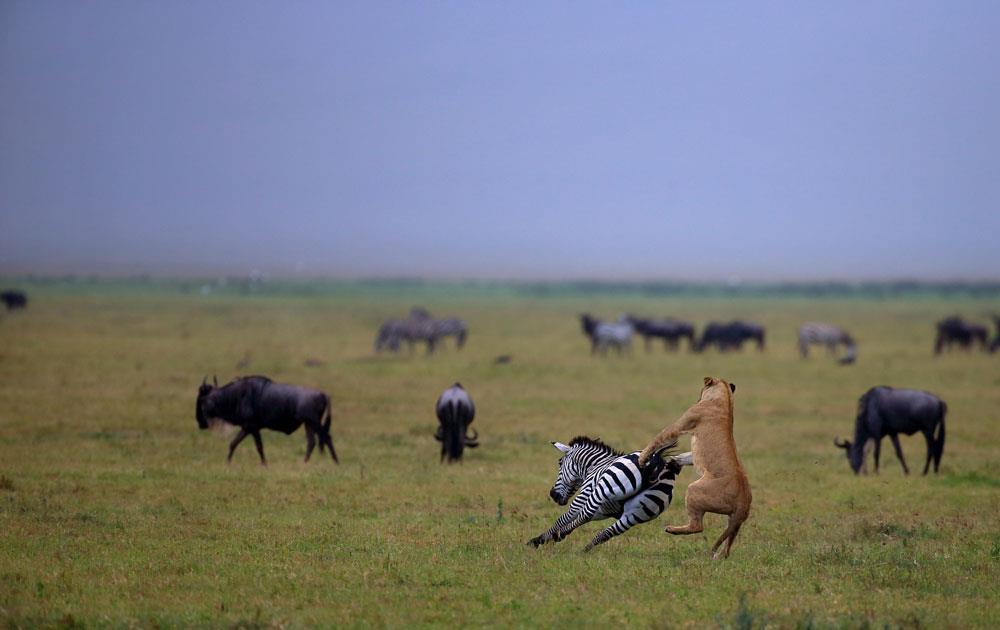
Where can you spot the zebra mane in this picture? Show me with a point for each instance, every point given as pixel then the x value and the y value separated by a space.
pixel 589 441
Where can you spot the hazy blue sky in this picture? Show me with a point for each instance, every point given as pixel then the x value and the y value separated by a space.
pixel 697 140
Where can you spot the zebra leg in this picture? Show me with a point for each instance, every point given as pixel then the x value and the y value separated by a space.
pixel 623 524
pixel 579 512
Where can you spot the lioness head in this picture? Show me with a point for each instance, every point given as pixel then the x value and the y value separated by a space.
pixel 716 388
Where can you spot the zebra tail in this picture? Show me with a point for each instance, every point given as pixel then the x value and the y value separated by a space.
pixel 684 459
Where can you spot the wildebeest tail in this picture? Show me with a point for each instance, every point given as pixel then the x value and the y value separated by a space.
pixel 939 438
pixel 326 418
pixel 452 442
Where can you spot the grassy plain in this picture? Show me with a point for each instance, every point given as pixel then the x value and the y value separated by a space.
pixel 116 510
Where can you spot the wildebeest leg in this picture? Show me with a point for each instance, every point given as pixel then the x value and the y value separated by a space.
pixel 260 447
pixel 326 439
pixel 899 453
pixel 236 442
pixel 929 437
pixel 878 451
pixel 310 442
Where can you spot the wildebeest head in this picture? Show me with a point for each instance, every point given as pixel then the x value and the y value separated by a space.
pixel 853 453
pixel 204 407
pixel 588 323
pixel 570 476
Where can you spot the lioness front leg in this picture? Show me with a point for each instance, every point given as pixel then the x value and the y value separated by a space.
pixel 670 434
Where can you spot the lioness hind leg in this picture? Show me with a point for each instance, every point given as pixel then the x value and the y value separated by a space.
pixel 694 525
pixel 729 536
pixel 704 495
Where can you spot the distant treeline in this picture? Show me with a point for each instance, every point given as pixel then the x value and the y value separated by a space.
pixel 262 285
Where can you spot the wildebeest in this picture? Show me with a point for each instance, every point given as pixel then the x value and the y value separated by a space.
pixel 256 402
pixel 995 345
pixel 14 299
pixel 730 336
pixel 886 411
pixel 955 330
pixel 455 412
pixel 604 334
pixel 830 336
pixel 671 331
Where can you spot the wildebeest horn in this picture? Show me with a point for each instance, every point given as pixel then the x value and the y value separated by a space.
pixel 215 380
pixel 472 442
pixel 840 443
pixel 204 381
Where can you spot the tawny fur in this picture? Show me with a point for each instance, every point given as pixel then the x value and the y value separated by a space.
pixel 723 487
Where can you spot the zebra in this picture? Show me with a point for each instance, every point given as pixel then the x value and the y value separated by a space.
pixel 611 485
pixel 419 326
pixel 604 334
pixel 450 327
pixel 828 335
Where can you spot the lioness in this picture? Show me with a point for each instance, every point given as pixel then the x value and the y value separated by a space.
pixel 723 487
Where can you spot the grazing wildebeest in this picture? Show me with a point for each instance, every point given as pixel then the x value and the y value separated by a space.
pixel 829 336
pixel 886 411
pixel 955 330
pixel 730 336
pixel 14 299
pixel 256 402
pixel 455 412
pixel 670 330
pixel 605 334
pixel 611 485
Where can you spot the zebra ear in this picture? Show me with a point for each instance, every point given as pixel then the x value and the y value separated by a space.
pixel 562 447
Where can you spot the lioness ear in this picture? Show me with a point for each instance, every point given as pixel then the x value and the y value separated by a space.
pixel 562 447
pixel 709 380
pixel 732 387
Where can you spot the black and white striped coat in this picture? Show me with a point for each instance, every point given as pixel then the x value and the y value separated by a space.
pixel 829 336
pixel 611 485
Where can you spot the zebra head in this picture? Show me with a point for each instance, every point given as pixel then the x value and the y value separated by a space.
pixel 572 472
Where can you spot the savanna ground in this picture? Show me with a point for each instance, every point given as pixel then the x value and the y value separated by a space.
pixel 116 510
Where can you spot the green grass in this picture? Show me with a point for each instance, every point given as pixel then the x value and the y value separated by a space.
pixel 116 510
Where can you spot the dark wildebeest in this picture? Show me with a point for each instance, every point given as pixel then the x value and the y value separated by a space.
pixel 455 412
pixel 830 336
pixel 995 345
pixel 14 299
pixel 955 330
pixel 671 331
pixel 256 402
pixel 605 334
pixel 730 336
pixel 886 411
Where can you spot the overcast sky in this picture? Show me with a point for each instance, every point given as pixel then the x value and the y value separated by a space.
pixel 695 140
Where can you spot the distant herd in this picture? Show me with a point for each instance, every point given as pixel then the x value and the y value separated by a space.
pixel 616 485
